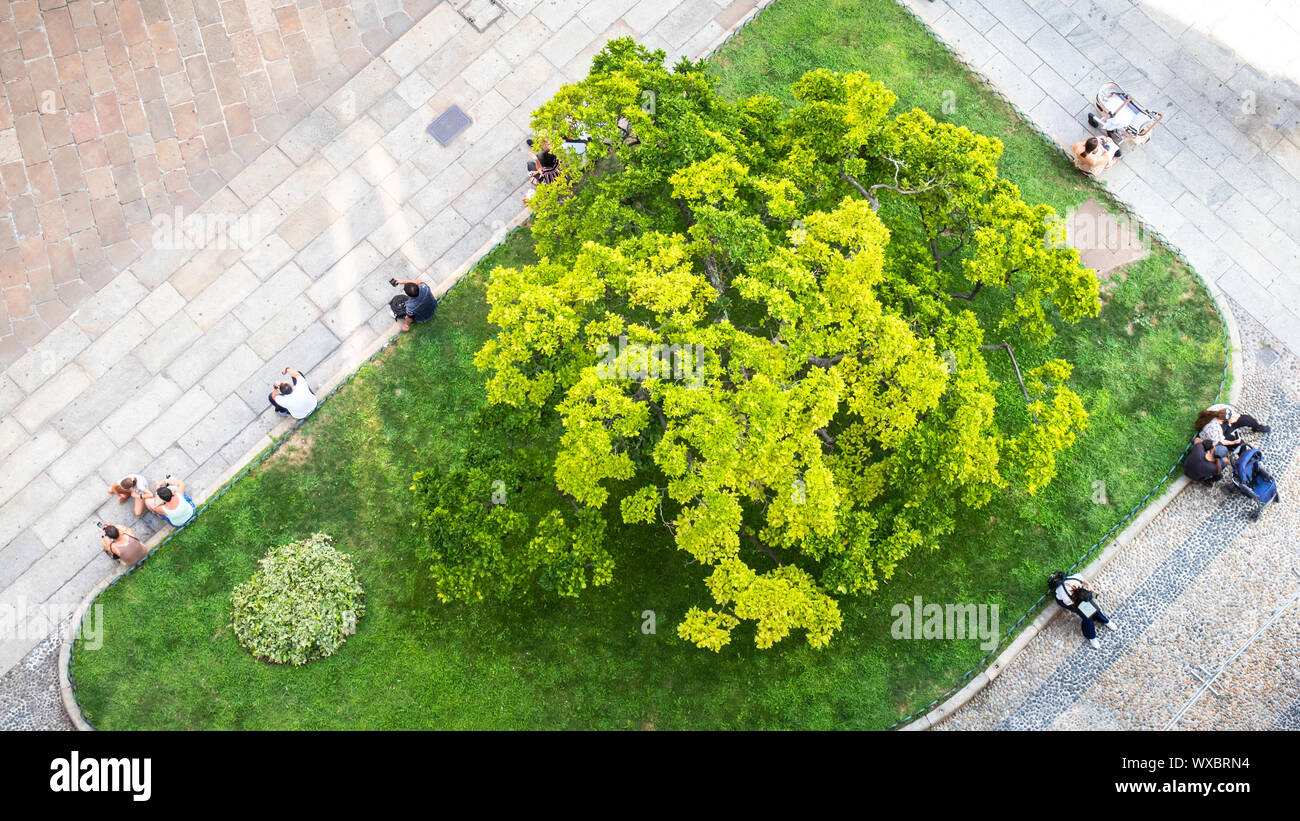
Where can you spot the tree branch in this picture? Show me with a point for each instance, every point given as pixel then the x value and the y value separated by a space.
pixel 826 361
pixel 1007 347
pixel 643 395
pixel 979 283
pixel 870 193
pixel 749 535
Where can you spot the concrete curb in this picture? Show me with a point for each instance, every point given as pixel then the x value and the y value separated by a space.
pixel 937 714
pixel 956 701
pixel 276 436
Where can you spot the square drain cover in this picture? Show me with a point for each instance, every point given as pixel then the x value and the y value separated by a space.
pixel 449 123
pixel 479 13
pixel 1266 356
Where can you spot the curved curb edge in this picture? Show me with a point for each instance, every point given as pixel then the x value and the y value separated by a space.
pixel 70 628
pixel 943 710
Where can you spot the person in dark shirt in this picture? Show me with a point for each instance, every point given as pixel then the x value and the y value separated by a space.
pixel 421 304
pixel 1204 462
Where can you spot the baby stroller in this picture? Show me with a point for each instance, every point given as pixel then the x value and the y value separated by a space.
pixel 1123 120
pixel 1249 478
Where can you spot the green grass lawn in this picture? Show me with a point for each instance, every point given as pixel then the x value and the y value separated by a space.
pixel 170 660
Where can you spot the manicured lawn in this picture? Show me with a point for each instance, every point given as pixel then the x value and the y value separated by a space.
pixel 1152 358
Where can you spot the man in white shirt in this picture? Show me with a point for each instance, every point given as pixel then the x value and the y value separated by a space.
pixel 294 398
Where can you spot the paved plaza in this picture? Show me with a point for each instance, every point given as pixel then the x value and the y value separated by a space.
pixel 297 129
pixel 117 114
pixel 1191 590
pixel 1221 176
pixel 166 367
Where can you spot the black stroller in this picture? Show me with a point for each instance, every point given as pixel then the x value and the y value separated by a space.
pixel 1249 478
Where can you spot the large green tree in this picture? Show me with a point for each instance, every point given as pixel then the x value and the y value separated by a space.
pixel 769 330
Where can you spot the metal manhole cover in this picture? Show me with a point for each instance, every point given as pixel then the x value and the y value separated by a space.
pixel 1266 356
pixel 479 13
pixel 449 123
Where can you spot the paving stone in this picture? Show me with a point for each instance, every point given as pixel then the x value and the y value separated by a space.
pixel 179 416
pixel 305 183
pixel 1245 289
pixel 1012 48
pixel 1057 52
pixel 348 314
pixel 432 241
pixel 79 417
pixel 313 133
pixel 268 256
pixel 290 321
pixel 28 460
pixel 116 343
pixel 344 149
pixel 345 190
pixel 165 343
pixel 426 37
pixel 18 555
pixel 344 276
pixel 202 440
pixel 33 412
pixel 75 509
pixel 59 348
pixel 217 300
pixel 646 14
pixel 194 362
pixel 30 502
pixel 226 377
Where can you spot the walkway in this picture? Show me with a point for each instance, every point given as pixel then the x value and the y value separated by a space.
pixel 167 367
pixel 1221 179
pixel 117 114
pixel 1221 176
pixel 1190 590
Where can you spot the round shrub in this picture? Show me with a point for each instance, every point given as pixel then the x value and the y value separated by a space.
pixel 302 603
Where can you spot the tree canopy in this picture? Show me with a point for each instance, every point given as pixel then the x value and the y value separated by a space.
pixel 768 328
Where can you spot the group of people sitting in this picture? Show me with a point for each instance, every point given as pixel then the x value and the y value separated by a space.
pixel 1216 431
pixel 167 499
pixel 290 397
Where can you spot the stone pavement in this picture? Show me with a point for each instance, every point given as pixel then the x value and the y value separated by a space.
pixel 1192 588
pixel 118 113
pixel 1221 176
pixel 166 369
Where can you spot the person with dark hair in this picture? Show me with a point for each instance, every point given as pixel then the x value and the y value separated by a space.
pixel 1205 461
pixel 542 167
pixel 171 502
pixel 133 486
pixel 1218 423
pixel 416 303
pixel 293 397
pixel 121 544
pixel 1076 595
pixel 1095 154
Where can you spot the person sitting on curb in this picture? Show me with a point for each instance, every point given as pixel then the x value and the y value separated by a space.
pixel 416 303
pixel 1095 154
pixel 135 486
pixel 171 502
pixel 1217 424
pixel 1205 462
pixel 121 544
pixel 294 397
pixel 1075 595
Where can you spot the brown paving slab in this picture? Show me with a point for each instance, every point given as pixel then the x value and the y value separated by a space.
pixel 1104 242
pixel 114 112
